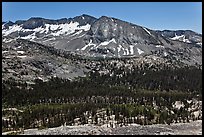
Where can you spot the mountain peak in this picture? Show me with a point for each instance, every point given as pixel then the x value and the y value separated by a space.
pixel 36 18
pixel 105 36
pixel 104 17
pixel 84 19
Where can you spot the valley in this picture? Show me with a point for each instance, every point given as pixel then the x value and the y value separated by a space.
pixel 99 73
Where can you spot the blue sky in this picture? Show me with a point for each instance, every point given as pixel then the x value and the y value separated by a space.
pixel 153 15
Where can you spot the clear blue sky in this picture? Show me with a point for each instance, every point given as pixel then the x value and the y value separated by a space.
pixel 153 15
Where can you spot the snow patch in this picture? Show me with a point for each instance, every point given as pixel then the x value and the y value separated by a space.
pixel 90 43
pixel 21 52
pixel 186 40
pixel 159 46
pixel 32 36
pixel 181 37
pixel 107 42
pixel 86 27
pixel 65 28
pixel 77 33
pixel 50 39
pixel 127 51
pixel 11 29
pixel 7 41
pixel 21 56
pixel 199 43
pixel 177 37
pixel 196 113
pixel 147 31
pixel 178 104
pixel 40 78
pixel 165 54
pixel 18 47
pixel 119 48
pixel 140 51
pixel 189 101
pixel 5 51
pixel 131 49
pixel 53 26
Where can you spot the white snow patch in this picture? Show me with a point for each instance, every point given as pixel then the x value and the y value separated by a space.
pixel 140 51
pixel 13 109
pixel 178 104
pixel 50 39
pixel 127 51
pixel 40 78
pixel 16 28
pixel 113 40
pixel 5 51
pixel 186 40
pixel 177 37
pixel 196 113
pixel 66 28
pixel 11 29
pixel 124 53
pixel 21 56
pixel 86 27
pixel 7 41
pixel 90 43
pixel 181 37
pixel 21 52
pixel 131 49
pixel 165 54
pixel 189 101
pixel 119 48
pixel 53 26
pixel 199 43
pixel 77 33
pixel 32 36
pixel 147 31
pixel 154 57
pixel 18 47
pixel 133 124
pixel 3 26
pixel 159 46
pixel 39 29
pixel 107 42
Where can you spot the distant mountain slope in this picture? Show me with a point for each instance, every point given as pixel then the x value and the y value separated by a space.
pixel 108 37
pixel 187 36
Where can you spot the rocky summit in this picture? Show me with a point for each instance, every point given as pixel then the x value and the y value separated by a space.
pixel 42 48
pixel 107 37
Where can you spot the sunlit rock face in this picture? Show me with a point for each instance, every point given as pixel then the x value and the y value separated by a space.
pixel 108 37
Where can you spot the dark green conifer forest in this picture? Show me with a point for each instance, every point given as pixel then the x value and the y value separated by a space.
pixel 137 96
